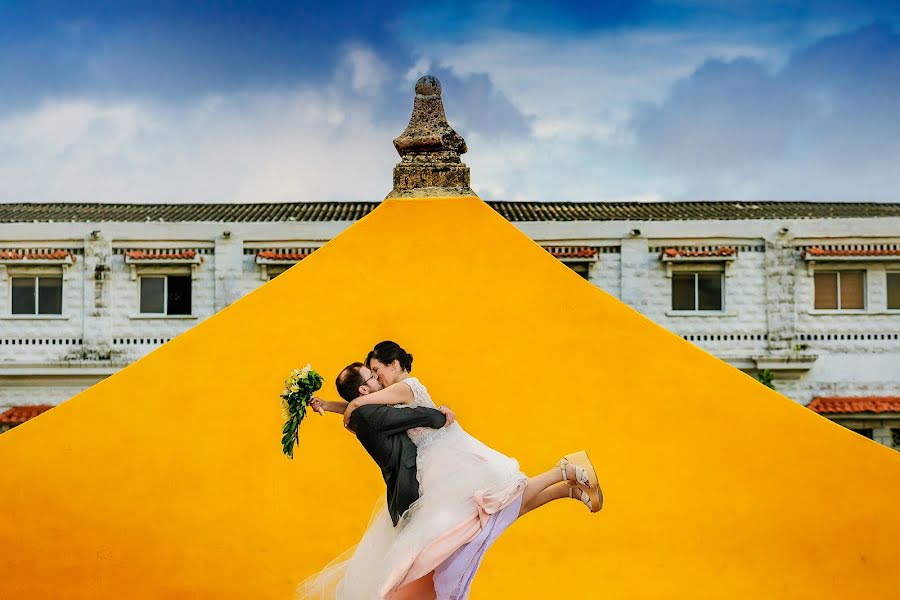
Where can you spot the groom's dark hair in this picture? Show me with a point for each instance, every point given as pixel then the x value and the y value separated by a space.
pixel 349 380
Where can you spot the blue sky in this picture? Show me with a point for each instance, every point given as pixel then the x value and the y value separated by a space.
pixel 127 101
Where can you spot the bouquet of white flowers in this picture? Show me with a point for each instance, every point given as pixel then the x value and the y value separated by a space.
pixel 295 398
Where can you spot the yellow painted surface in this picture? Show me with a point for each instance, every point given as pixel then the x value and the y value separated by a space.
pixel 167 480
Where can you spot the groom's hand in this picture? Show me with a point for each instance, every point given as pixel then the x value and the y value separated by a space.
pixel 451 418
pixel 318 405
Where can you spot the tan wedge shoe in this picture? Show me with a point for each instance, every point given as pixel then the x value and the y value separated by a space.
pixel 585 479
pixel 584 494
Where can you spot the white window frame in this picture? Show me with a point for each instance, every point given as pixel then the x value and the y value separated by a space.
pixel 8 271
pixel 839 310
pixel 696 310
pixel 164 273
pixel 37 295
pixel 165 279
pixel 697 267
pixel 886 273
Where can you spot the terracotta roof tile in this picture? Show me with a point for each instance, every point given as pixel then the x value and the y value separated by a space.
pixel 850 404
pixel 573 252
pixel 687 253
pixel 270 255
pixel 17 415
pixel 142 255
pixel 21 255
pixel 512 211
pixel 817 251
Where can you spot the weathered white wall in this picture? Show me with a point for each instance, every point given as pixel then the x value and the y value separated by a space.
pixel 768 294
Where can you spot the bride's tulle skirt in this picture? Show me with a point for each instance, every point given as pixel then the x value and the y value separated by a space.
pixel 350 575
pixel 462 482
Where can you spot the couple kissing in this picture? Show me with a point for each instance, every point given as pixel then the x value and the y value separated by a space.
pixel 449 496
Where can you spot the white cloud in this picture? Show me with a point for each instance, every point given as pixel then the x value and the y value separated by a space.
pixel 420 67
pixel 824 127
pixel 610 116
pixel 295 145
pixel 576 86
pixel 58 126
pixel 639 114
pixel 579 94
pixel 368 73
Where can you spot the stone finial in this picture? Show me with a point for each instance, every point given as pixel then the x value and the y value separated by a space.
pixel 429 150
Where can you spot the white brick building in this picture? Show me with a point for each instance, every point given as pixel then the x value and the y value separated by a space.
pixel 809 292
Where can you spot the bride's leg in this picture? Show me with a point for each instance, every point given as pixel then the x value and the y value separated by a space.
pixel 538 484
pixel 420 589
pixel 546 487
pixel 556 491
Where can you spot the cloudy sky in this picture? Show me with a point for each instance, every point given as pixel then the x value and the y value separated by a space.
pixel 186 101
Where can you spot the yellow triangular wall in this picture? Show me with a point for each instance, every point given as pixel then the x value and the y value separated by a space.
pixel 167 480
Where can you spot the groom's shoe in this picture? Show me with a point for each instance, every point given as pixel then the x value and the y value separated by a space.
pixel 585 480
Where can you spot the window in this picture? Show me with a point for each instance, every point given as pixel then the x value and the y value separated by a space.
pixel 863 432
pixel 583 268
pixel 697 291
pixel 895 438
pixel 893 290
pixel 168 295
pixel 273 271
pixel 840 290
pixel 37 295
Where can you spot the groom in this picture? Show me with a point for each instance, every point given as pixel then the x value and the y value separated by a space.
pixel 382 432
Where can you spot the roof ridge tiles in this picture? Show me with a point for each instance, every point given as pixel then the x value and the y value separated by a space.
pixel 512 210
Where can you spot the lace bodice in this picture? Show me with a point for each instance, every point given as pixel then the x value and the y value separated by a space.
pixel 420 436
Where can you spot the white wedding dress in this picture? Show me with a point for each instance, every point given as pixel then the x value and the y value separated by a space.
pixel 461 483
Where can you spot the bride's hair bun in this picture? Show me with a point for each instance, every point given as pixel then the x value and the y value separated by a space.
pixel 387 352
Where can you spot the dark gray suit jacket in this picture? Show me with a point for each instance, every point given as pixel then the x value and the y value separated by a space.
pixel 382 432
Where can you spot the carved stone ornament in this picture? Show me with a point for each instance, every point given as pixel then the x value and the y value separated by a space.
pixel 430 150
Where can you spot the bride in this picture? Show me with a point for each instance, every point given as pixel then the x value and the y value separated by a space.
pixel 468 494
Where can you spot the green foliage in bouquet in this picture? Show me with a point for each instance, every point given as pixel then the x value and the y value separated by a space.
pixel 298 391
